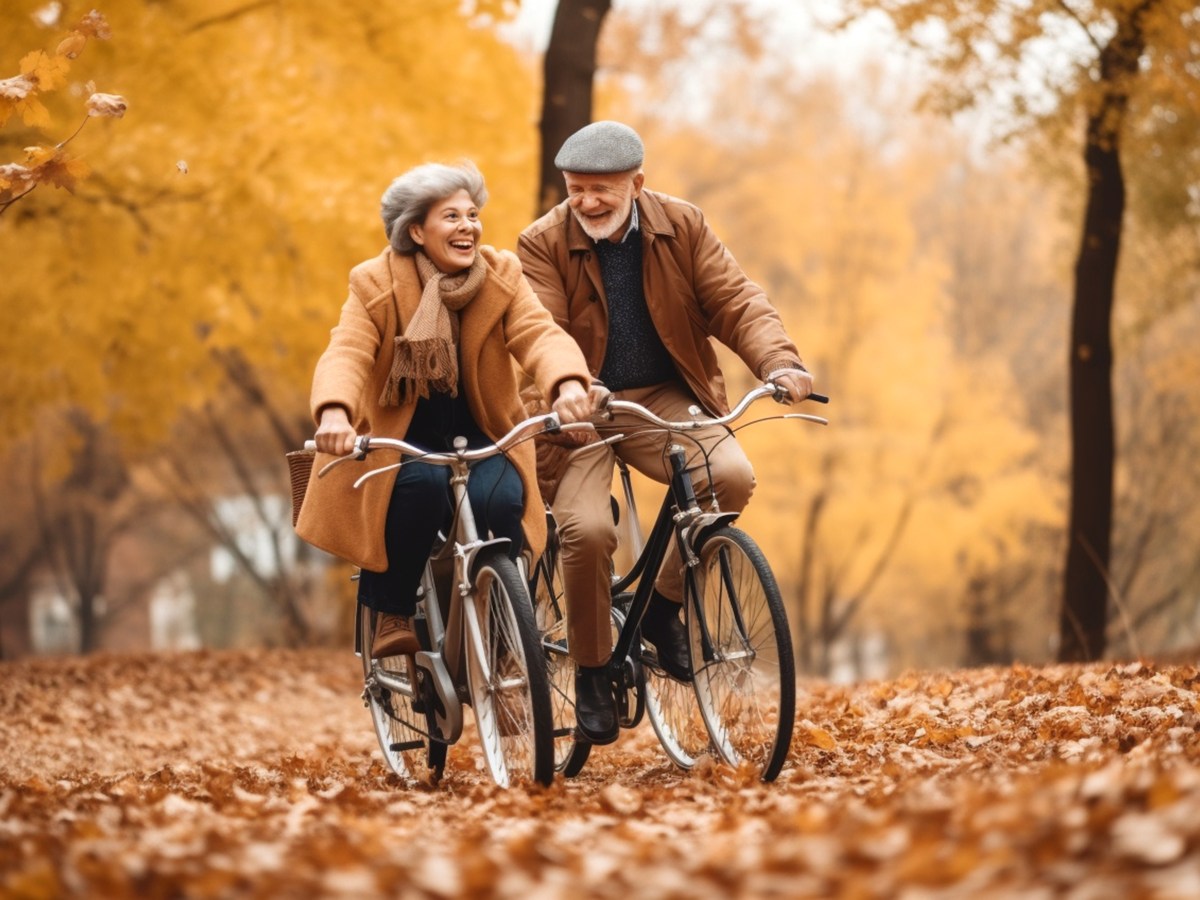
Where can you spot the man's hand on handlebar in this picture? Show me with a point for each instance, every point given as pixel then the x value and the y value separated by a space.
pixel 335 434
pixel 573 403
pixel 796 384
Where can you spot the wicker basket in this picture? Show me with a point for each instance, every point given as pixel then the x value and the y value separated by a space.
pixel 300 464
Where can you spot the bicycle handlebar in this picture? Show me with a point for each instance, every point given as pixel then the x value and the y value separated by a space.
pixel 365 443
pixel 763 390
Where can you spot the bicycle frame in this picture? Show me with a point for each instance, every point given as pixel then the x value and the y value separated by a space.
pixel 680 517
pixel 679 514
pixel 447 619
pixel 445 661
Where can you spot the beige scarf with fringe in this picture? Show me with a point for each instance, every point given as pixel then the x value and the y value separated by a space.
pixel 426 355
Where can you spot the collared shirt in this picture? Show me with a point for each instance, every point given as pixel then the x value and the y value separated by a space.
pixel 633 223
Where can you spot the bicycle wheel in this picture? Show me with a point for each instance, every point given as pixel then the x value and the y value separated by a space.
pixel 675 717
pixel 549 613
pixel 398 712
pixel 506 674
pixel 745 676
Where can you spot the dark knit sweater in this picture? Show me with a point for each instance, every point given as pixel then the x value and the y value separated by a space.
pixel 634 355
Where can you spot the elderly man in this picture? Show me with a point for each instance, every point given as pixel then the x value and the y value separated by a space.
pixel 641 282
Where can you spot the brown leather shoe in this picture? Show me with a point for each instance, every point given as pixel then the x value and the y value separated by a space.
pixel 394 636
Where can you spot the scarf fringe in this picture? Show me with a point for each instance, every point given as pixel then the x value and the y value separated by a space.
pixel 419 367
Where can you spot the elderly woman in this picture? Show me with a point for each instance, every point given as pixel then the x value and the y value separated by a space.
pixel 425 351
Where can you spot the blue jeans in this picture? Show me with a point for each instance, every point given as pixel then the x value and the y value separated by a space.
pixel 421 505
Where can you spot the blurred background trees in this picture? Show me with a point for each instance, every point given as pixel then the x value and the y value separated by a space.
pixel 160 325
pixel 1123 70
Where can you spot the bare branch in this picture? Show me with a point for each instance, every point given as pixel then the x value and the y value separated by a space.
pixel 1066 8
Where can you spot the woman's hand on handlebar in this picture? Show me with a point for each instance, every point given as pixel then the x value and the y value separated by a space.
pixel 335 434
pixel 796 383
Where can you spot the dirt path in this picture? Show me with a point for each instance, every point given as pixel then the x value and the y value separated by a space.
pixel 210 775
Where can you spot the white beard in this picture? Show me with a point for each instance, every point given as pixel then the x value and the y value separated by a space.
pixel 605 230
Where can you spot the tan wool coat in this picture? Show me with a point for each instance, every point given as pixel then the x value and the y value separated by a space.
pixel 695 290
pixel 504 324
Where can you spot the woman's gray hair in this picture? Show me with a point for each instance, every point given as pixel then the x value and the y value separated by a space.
pixel 408 199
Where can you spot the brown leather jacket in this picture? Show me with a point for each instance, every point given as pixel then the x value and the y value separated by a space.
pixel 694 290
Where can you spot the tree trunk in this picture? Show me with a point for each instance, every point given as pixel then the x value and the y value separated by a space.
pixel 569 69
pixel 1084 617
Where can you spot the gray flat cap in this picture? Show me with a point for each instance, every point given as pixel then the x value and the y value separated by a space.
pixel 600 149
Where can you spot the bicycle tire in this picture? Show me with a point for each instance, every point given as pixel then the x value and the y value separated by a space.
pixel 675 717
pixel 549 613
pixel 401 723
pixel 506 674
pixel 745 674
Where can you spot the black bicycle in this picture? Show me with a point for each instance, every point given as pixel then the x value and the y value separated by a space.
pixel 741 701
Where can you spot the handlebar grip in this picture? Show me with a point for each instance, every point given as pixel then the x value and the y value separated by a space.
pixel 310 445
pixel 819 398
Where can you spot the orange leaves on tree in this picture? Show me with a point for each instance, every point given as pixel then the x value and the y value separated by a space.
pixel 41 72
pixel 93 25
pixel 47 72
pixel 50 165
pixel 43 165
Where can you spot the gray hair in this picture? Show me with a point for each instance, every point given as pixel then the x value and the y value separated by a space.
pixel 409 198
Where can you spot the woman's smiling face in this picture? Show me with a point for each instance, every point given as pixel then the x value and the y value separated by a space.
pixel 450 233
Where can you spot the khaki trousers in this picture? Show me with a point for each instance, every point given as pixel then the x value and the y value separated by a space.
pixel 583 512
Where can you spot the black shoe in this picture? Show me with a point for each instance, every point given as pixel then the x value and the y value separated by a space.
pixel 662 627
pixel 595 705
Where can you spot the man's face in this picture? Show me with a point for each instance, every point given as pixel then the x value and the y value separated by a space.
pixel 602 203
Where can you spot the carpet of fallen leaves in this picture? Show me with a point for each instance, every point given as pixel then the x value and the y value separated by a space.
pixel 256 774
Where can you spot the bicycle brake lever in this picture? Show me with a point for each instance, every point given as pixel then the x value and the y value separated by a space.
pixel 336 462
pixel 362 478
pixel 362 445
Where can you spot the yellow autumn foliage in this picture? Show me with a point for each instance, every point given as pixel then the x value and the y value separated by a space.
pixel 242 186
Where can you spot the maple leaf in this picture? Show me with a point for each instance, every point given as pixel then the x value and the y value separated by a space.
pixel 33 113
pixel 65 172
pixel 50 165
pixel 48 72
pixel 38 155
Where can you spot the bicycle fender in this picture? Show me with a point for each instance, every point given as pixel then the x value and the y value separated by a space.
pixel 470 552
pixel 702 527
